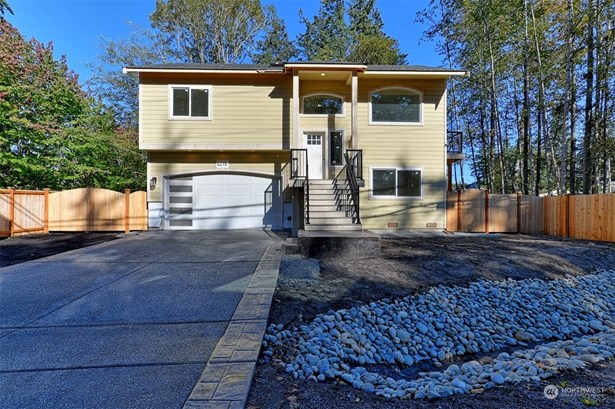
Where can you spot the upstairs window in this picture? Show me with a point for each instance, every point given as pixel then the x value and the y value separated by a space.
pixel 395 106
pixel 190 102
pixel 323 104
pixel 396 182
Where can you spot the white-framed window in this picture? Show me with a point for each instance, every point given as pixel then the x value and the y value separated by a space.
pixel 392 182
pixel 395 106
pixel 322 104
pixel 190 102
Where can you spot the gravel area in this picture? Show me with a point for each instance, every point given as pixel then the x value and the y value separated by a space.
pixel 448 322
pixel 501 350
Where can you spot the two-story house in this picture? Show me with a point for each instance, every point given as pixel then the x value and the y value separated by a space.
pixel 295 145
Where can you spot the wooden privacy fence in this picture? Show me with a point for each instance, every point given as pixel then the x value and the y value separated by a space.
pixel 589 217
pixel 23 211
pixel 87 209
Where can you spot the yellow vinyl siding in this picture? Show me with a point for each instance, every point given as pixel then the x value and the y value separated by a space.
pixel 405 146
pixel 252 111
pixel 162 164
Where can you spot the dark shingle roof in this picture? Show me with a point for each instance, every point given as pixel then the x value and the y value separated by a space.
pixel 204 67
pixel 280 67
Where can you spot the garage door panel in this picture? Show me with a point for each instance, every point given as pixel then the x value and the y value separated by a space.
pixel 223 201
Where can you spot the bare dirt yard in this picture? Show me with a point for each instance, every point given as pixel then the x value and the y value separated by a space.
pixel 411 264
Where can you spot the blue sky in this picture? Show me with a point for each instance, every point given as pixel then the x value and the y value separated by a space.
pixel 74 26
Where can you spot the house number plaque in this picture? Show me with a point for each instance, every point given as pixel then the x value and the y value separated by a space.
pixel 222 164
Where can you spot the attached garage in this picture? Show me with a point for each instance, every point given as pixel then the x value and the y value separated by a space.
pixel 223 201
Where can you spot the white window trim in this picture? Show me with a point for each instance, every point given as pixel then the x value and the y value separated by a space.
pixel 313 94
pixel 396 198
pixel 413 90
pixel 190 118
pixel 312 131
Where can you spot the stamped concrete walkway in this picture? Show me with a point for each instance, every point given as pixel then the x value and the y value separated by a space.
pixel 157 319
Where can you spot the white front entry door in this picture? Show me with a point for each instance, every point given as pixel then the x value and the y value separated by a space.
pixel 313 142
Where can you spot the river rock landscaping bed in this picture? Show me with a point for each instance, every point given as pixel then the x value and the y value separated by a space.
pixel 447 322
pixel 501 349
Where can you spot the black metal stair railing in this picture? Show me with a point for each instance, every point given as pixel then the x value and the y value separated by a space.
pixel 299 169
pixel 346 184
pixel 356 163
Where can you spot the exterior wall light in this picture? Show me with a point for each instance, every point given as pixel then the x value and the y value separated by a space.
pixel 152 183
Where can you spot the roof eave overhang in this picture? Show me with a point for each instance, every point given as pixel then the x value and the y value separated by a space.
pixel 362 69
pixel 325 67
pixel 197 71
pixel 432 74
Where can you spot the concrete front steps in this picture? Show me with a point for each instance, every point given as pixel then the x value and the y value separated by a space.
pixel 324 214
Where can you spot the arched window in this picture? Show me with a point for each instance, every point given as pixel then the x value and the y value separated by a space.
pixel 395 105
pixel 323 104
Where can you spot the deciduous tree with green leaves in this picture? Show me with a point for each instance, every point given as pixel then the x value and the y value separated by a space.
pixel 534 111
pixel 53 134
pixel 117 90
pixel 210 31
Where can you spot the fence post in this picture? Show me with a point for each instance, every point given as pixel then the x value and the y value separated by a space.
pixel 458 210
pixel 46 213
pixel 486 211
pixel 11 211
pixel 567 231
pixel 126 210
pixel 518 212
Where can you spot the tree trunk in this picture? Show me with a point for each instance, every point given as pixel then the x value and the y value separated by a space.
pixel 526 106
pixel 606 50
pixel 573 142
pixel 543 132
pixel 566 108
pixel 538 154
pixel 589 95
pixel 495 131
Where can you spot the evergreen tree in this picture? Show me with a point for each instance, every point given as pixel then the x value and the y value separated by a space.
pixel 4 6
pixel 370 44
pixel 352 32
pixel 275 45
pixel 326 37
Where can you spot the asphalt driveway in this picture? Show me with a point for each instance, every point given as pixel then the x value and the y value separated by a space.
pixel 126 324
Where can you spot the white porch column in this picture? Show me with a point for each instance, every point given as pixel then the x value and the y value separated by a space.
pixel 354 121
pixel 296 136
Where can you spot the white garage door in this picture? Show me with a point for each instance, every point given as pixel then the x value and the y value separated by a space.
pixel 223 201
